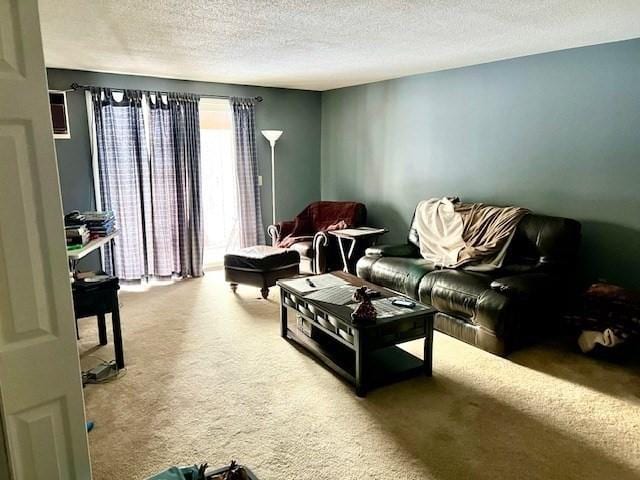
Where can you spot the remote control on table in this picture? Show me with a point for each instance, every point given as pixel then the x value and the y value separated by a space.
pixel 403 303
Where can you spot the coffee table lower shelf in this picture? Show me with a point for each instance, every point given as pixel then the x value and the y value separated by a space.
pixel 384 366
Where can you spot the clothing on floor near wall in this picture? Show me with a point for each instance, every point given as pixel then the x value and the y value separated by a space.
pixel 605 314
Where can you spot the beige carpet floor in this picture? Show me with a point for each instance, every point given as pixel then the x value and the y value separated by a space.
pixel 210 379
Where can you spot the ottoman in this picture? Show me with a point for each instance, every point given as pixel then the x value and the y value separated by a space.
pixel 260 266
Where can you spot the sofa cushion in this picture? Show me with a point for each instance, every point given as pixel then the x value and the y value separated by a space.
pixel 470 333
pixel 305 249
pixel 397 273
pixel 400 250
pixel 454 291
pixel 466 295
pixel 530 286
pixel 546 240
pixel 261 258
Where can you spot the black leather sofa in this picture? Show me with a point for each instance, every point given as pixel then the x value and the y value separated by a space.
pixel 497 311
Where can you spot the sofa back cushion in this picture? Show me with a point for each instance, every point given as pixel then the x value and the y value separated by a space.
pixel 414 238
pixel 538 239
pixel 544 239
pixel 322 215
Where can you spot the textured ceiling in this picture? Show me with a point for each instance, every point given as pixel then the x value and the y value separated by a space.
pixel 321 44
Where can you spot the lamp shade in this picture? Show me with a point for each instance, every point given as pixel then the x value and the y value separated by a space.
pixel 272 135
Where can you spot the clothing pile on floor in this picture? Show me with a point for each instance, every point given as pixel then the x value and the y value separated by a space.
pixel 100 224
pixel 606 315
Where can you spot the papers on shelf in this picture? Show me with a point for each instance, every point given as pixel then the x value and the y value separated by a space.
pixel 316 282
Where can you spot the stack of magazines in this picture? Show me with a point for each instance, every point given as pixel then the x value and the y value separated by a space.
pixel 100 224
pixel 77 236
pixel 75 230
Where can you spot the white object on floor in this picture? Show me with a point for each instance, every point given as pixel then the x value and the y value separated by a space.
pixel 589 338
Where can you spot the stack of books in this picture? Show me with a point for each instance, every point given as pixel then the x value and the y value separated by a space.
pixel 100 224
pixel 77 236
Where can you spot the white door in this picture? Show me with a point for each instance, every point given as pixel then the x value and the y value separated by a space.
pixel 40 386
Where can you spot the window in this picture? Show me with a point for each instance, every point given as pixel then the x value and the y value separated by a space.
pixel 219 200
pixel 59 114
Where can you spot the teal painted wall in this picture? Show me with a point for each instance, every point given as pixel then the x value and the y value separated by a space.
pixel 296 112
pixel 558 133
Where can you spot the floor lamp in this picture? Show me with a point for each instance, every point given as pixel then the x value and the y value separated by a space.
pixel 273 136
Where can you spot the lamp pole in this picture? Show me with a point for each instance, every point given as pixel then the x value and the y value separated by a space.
pixel 273 182
pixel 273 136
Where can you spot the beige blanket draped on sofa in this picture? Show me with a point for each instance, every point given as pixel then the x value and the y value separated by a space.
pixel 473 236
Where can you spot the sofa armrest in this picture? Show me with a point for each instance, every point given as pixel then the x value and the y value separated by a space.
pixel 274 232
pixel 530 285
pixel 320 244
pixel 280 230
pixel 407 250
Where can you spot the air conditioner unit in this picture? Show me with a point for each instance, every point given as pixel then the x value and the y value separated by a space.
pixel 59 114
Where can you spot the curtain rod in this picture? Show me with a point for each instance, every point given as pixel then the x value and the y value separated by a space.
pixel 75 86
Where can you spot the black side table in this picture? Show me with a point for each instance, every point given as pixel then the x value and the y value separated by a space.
pixel 96 299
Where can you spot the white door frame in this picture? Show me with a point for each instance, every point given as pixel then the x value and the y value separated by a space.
pixel 40 387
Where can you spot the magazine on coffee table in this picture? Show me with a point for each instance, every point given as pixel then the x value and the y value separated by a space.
pixel 338 295
pixel 315 282
pixel 385 308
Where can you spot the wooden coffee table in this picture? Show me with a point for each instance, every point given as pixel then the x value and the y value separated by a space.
pixel 365 355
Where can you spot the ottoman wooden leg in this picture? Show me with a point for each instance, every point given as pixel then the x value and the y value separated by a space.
pixel 234 287
pixel 264 292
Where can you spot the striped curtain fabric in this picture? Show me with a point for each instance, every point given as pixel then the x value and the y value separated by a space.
pixel 122 164
pixel 166 258
pixel 150 178
pixel 251 230
pixel 185 117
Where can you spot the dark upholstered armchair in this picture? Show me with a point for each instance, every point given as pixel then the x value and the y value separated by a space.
pixel 307 233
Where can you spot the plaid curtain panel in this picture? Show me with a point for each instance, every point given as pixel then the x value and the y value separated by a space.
pixel 251 230
pixel 122 163
pixel 185 116
pixel 164 217
pixel 153 188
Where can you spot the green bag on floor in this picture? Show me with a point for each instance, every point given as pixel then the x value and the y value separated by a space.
pixel 175 473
